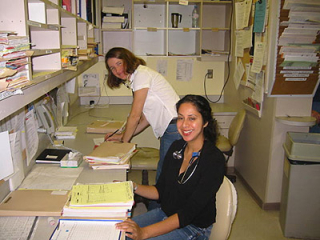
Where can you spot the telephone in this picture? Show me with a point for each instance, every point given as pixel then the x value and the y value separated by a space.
pixel 46 118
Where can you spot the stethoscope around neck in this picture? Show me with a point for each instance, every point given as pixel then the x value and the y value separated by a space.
pixel 178 155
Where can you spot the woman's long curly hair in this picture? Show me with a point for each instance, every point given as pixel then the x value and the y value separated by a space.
pixel 203 107
pixel 130 64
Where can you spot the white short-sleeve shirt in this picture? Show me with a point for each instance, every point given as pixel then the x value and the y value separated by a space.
pixel 160 104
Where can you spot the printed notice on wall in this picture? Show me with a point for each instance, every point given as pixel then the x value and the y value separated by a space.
pixel 184 70
pixel 5 156
pixel 162 67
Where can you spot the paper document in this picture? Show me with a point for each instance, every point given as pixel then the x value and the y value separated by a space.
pixel 109 194
pixel 32 138
pixel 73 229
pixel 51 177
pixel 16 227
pixel 5 156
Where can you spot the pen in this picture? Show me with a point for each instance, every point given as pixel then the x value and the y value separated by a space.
pixel 113 134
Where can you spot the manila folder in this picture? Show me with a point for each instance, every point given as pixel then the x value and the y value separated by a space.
pixel 34 203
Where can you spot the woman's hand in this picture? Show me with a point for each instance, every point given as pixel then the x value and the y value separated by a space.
pixel 131 229
pixel 115 137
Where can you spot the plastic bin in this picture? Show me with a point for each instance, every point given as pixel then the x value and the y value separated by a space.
pixel 300 200
pixel 302 146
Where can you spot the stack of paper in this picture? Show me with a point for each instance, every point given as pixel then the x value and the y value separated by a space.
pixel 112 21
pixel 111 155
pixel 103 126
pixel 66 132
pixel 112 200
pixel 114 17
pixel 299 37
pixel 14 53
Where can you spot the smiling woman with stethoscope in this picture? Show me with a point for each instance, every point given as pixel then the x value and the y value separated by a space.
pixel 192 173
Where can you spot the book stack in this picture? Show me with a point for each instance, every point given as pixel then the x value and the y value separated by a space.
pixel 14 53
pixel 111 155
pixel 113 17
pixel 110 200
pixel 66 133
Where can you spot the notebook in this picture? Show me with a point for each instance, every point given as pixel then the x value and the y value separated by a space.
pixel 52 155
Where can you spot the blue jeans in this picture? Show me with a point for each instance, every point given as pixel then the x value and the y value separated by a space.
pixel 189 232
pixel 170 135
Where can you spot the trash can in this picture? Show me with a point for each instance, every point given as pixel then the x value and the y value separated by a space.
pixel 300 200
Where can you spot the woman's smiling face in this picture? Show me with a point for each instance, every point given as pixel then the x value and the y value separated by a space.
pixel 117 67
pixel 190 123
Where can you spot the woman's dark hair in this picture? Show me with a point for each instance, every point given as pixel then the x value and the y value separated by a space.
pixel 211 130
pixel 130 64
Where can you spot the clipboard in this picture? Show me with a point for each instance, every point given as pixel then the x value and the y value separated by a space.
pixel 34 203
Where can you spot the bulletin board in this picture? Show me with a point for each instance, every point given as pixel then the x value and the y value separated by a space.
pixel 297 76
pixel 252 54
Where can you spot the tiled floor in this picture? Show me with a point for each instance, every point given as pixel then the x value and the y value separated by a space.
pixel 251 222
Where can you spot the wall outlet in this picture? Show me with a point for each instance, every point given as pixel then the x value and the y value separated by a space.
pixel 210 73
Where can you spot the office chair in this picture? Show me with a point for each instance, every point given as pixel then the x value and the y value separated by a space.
pixel 226 204
pixel 226 144
pixel 146 159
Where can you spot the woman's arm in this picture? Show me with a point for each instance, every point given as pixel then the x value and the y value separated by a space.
pixel 134 118
pixel 142 125
pixel 150 192
pixel 136 121
pixel 135 232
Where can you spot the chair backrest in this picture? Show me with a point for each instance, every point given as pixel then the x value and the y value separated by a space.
pixel 236 127
pixel 226 204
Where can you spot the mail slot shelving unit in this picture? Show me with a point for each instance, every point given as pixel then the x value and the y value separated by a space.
pixel 50 28
pixel 151 32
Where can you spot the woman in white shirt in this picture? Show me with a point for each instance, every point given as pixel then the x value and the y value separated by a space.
pixel 154 99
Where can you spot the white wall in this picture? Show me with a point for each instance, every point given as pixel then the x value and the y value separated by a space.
pixel 195 86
